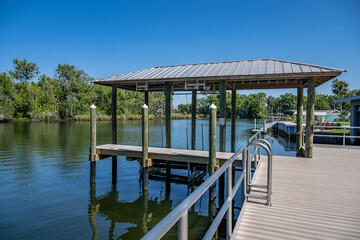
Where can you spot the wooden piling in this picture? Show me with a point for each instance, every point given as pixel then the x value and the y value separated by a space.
pixel 146 98
pixel 168 114
pixel 145 146
pixel 92 144
pixel 114 132
pixel 233 119
pixel 299 121
pixel 212 149
pixel 168 126
pixel 222 115
pixel 193 120
pixel 310 118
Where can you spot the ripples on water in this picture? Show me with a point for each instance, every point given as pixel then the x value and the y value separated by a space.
pixel 44 177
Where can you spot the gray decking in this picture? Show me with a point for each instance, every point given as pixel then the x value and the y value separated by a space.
pixel 316 198
pixel 164 154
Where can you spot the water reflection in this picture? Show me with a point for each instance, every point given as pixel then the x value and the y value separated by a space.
pixel 42 162
pixel 139 215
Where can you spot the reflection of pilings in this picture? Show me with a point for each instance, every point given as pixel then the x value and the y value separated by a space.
pixel 92 173
pixel 92 211
pixel 114 170
pixel 145 216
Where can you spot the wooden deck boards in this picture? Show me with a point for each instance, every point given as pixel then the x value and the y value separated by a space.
pixel 166 154
pixel 316 198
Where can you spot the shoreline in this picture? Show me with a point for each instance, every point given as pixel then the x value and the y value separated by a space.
pixel 85 118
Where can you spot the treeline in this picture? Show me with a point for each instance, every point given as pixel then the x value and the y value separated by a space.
pixel 26 93
pixel 260 105
pixel 66 95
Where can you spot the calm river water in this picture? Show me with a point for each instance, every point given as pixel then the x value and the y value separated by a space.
pixel 44 179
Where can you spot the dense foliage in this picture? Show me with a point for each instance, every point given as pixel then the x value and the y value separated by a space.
pixel 25 93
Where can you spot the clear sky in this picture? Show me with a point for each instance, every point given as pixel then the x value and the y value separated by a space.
pixel 107 38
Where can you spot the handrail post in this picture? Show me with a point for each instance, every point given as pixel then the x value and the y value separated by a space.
pixel 344 136
pixel 183 227
pixel 244 168
pixel 264 127
pixel 248 168
pixel 269 179
pixel 229 211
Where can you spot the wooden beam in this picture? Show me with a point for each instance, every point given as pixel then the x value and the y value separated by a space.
pixel 233 119
pixel 222 115
pixel 193 120
pixel 310 118
pixel 114 131
pixel 299 122
pixel 92 144
pixel 113 115
pixel 146 98
pixel 168 114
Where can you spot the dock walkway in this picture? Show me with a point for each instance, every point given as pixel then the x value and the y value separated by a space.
pixel 163 154
pixel 316 198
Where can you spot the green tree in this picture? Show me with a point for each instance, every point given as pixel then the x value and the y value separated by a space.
pixel 73 92
pixel 24 71
pixel 287 101
pixel 322 102
pixel 340 88
pixel 184 108
pixel 7 96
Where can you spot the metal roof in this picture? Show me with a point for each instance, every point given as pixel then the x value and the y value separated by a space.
pixel 246 74
pixel 347 99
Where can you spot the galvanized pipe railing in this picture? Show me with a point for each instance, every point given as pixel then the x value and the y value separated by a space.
pixel 180 213
pixel 343 136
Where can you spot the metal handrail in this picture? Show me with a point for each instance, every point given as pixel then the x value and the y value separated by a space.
pixel 343 135
pixel 181 210
pixel 180 213
pixel 269 169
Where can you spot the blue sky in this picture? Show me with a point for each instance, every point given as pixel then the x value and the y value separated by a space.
pixel 107 38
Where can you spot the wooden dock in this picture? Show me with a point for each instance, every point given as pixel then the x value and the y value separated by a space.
pixel 267 127
pixel 162 154
pixel 316 198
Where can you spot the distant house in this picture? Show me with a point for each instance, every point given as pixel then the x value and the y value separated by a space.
pixel 323 115
pixel 355 113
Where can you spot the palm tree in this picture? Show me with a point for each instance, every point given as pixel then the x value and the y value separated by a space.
pixel 340 88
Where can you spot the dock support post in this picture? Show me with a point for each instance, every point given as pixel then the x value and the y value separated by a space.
pixel 299 121
pixel 145 145
pixel 193 120
pixel 310 118
pixel 168 115
pixel 168 126
pixel 222 115
pixel 92 144
pixel 146 98
pixel 222 122
pixel 233 119
pixel 212 149
pixel 114 132
pixel 212 160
